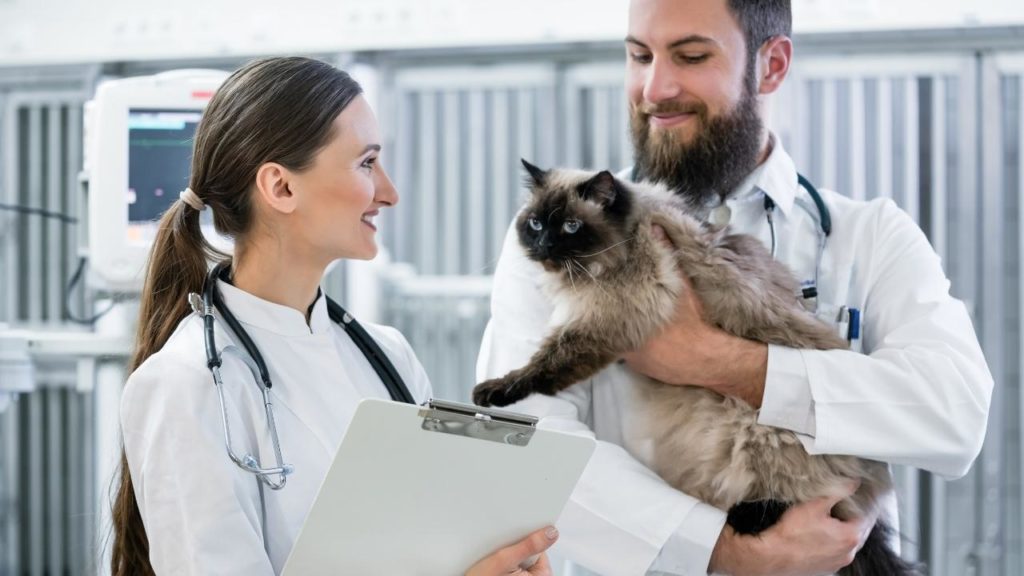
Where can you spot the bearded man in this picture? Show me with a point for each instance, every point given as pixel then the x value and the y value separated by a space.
pixel 913 389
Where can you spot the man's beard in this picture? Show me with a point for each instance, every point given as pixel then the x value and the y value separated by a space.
pixel 724 151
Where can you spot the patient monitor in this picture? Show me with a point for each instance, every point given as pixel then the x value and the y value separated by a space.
pixel 138 152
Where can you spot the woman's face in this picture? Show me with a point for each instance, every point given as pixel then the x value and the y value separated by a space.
pixel 341 193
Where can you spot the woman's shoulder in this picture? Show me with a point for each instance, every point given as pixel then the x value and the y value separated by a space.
pixel 385 335
pixel 394 344
pixel 391 341
pixel 179 362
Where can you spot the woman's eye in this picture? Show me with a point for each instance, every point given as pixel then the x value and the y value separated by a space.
pixel 535 224
pixel 369 163
pixel 571 226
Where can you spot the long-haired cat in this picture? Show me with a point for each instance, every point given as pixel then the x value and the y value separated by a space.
pixel 617 285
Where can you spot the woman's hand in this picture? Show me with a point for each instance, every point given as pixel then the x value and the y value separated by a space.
pixel 509 560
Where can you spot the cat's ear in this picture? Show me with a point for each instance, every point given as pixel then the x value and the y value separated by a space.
pixel 536 174
pixel 602 189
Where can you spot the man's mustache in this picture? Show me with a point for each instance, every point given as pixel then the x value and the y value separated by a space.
pixel 671 108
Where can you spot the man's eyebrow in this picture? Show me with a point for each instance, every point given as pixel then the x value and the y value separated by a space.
pixel 691 39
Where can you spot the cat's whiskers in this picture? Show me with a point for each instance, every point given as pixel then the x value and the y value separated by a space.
pixel 606 249
pixel 484 268
pixel 592 277
pixel 568 269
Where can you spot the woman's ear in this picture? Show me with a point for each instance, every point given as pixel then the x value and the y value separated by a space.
pixel 272 186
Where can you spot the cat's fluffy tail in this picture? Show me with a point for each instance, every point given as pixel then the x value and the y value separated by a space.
pixel 876 558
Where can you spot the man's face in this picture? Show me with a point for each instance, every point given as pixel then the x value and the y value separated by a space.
pixel 693 106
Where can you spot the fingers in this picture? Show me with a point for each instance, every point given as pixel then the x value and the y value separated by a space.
pixel 508 559
pixel 541 568
pixel 534 544
pixel 661 236
pixel 866 524
pixel 842 492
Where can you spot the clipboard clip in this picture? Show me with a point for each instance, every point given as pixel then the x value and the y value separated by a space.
pixel 472 421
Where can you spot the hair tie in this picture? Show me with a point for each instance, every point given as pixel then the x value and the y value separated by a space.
pixel 192 199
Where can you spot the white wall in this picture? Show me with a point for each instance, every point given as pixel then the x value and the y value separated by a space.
pixel 846 15
pixel 68 31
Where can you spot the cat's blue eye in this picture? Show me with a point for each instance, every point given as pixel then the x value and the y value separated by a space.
pixel 535 224
pixel 571 226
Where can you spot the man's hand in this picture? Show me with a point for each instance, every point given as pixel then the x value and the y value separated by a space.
pixel 692 351
pixel 807 541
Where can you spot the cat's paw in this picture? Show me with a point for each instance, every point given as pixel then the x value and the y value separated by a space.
pixel 497 392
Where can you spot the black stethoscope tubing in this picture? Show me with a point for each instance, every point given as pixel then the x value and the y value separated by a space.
pixel 371 350
pixel 824 216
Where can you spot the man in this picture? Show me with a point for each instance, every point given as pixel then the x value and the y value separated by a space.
pixel 913 390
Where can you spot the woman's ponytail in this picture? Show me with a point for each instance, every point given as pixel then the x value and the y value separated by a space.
pixel 177 266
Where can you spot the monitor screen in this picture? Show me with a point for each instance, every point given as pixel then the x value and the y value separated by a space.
pixel 159 161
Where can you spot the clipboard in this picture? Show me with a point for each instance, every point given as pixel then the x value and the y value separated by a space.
pixel 430 490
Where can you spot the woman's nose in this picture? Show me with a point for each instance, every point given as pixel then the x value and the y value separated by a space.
pixel 385 192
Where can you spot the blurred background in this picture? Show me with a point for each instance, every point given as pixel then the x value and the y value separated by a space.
pixel 918 100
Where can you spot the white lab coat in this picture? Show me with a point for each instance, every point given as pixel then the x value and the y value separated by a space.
pixel 918 395
pixel 201 512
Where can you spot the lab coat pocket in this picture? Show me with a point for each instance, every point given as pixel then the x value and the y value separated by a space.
pixel 845 320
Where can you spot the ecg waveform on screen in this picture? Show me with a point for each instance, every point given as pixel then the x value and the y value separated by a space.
pixel 159 160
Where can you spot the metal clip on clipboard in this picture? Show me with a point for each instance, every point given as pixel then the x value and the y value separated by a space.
pixel 475 422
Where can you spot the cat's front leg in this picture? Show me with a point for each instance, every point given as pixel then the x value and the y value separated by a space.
pixel 503 391
pixel 564 359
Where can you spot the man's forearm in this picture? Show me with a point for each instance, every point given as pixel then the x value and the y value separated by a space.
pixel 741 370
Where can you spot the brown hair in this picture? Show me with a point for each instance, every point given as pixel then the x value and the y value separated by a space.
pixel 272 110
pixel 761 20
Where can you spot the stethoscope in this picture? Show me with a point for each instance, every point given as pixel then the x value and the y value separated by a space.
pixel 824 230
pixel 821 216
pixel 212 301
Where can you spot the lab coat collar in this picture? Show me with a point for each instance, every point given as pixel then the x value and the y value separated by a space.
pixel 775 177
pixel 276 318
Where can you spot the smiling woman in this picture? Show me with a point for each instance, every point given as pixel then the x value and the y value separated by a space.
pixel 318 213
pixel 287 157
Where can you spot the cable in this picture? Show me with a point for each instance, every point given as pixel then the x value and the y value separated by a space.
pixel 75 278
pixel 39 212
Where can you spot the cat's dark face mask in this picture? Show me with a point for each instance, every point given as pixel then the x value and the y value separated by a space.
pixel 572 223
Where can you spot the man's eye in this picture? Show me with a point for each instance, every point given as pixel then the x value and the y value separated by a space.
pixel 695 59
pixel 640 58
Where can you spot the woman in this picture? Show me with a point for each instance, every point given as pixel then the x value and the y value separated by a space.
pixel 286 156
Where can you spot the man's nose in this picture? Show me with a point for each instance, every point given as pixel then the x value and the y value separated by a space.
pixel 661 83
